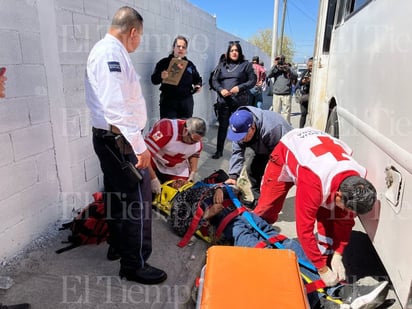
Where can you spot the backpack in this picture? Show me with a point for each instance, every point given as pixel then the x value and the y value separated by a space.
pixel 89 226
pixel 168 190
pixel 211 80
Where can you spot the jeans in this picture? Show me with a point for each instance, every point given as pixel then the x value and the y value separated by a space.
pixel 255 97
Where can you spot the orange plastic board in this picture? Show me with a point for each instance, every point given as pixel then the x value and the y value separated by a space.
pixel 237 277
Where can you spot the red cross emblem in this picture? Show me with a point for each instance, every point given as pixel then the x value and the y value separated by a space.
pixel 328 146
pixel 173 160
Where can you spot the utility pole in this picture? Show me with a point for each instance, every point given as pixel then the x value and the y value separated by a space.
pixel 283 26
pixel 275 30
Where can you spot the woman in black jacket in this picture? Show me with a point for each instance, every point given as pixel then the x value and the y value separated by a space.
pixel 232 80
pixel 176 101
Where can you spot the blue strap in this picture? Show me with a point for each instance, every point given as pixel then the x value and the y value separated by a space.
pixel 249 218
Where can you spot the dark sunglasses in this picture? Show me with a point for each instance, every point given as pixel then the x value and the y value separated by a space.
pixel 234 42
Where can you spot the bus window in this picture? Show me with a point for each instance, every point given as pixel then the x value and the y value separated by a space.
pixel 352 6
pixel 330 17
pixel 340 13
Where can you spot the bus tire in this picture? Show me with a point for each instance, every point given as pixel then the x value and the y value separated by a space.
pixel 332 125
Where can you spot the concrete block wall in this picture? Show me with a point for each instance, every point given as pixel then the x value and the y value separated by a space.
pixel 47 163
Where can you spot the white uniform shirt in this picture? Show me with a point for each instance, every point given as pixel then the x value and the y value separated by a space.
pixel 113 91
pixel 323 154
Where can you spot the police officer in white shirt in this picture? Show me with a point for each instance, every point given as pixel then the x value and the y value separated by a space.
pixel 118 116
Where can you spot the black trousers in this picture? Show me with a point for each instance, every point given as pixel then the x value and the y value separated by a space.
pixel 128 204
pixel 304 103
pixel 255 170
pixel 224 111
pixel 176 108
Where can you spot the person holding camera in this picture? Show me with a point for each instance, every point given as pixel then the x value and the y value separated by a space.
pixel 304 86
pixel 283 77
pixel 118 116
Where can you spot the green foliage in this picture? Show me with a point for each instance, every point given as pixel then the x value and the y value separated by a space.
pixel 263 40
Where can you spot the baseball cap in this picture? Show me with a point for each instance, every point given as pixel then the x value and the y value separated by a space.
pixel 239 124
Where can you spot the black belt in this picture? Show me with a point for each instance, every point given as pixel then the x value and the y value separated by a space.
pixel 105 133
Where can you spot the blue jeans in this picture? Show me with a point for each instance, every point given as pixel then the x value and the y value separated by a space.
pixel 255 97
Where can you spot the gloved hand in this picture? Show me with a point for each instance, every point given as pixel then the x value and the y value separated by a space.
pixel 329 277
pixel 191 176
pixel 156 186
pixel 337 266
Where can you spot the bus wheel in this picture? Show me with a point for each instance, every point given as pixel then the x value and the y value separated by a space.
pixel 332 125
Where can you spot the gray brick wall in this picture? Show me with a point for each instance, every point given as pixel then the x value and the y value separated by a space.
pixel 47 163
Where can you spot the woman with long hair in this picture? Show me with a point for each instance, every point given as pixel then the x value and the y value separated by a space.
pixel 232 81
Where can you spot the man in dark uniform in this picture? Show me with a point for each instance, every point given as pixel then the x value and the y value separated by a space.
pixel 259 130
pixel 118 116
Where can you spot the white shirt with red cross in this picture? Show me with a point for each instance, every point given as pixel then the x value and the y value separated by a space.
pixel 323 154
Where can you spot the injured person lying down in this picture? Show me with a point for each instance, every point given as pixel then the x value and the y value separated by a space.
pixel 216 211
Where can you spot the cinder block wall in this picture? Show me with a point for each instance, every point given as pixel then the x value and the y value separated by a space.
pixel 47 164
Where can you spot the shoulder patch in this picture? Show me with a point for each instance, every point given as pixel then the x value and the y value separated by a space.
pixel 157 135
pixel 114 66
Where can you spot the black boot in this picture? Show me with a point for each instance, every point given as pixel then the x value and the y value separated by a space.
pixel 217 155
pixel 145 275
pixel 112 254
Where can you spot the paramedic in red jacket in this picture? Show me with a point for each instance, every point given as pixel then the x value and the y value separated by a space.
pixel 330 191
pixel 175 146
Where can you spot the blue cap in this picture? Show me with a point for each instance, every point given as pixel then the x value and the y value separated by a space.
pixel 239 124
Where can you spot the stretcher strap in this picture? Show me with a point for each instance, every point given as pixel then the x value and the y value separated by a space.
pixel 252 222
pixel 314 286
pixel 271 241
pixel 193 226
pixel 227 219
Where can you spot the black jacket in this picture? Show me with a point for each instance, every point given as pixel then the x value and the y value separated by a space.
pixel 230 75
pixel 189 79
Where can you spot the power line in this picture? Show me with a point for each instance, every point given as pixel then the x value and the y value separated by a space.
pixel 303 12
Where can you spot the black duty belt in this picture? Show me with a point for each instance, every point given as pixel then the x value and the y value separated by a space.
pixel 102 132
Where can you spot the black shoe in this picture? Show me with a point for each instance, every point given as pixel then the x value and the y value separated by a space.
pixel 217 155
pixel 250 204
pixel 17 306
pixel 112 254
pixel 145 275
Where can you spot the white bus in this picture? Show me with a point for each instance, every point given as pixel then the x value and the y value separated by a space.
pixel 359 93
